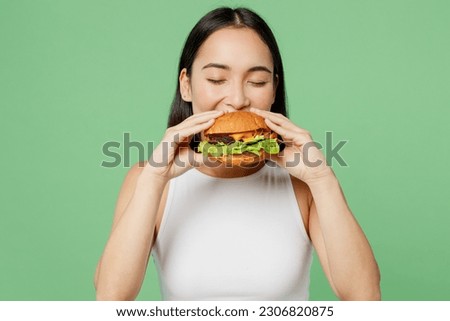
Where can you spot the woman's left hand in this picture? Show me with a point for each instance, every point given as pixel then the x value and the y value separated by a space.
pixel 300 157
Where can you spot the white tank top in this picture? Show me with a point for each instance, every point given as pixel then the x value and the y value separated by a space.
pixel 233 239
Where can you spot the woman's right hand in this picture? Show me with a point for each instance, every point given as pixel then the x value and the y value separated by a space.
pixel 173 156
pixel 139 209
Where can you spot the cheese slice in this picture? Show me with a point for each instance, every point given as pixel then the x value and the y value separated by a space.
pixel 244 136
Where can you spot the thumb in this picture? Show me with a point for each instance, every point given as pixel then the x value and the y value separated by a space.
pixel 185 158
pixel 279 159
pixel 287 158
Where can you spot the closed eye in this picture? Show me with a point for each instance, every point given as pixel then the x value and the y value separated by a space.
pixel 216 81
pixel 258 83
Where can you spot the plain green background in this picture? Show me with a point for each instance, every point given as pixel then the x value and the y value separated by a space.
pixel 77 74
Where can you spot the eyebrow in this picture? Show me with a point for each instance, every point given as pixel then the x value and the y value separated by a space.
pixel 225 67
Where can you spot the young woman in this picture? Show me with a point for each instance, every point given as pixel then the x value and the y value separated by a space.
pixel 233 233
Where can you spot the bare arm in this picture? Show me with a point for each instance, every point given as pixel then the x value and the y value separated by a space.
pixel 122 267
pixel 342 247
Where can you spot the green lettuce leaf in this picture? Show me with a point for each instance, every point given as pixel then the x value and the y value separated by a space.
pixel 269 145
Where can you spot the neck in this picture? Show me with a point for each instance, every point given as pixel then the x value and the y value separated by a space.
pixel 224 171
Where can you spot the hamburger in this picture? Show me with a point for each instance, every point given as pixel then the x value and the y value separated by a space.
pixel 239 138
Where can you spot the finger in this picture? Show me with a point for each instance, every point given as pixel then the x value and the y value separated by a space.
pixel 174 137
pixel 277 158
pixel 287 158
pixel 186 157
pixel 198 119
pixel 287 134
pixel 195 124
pixel 189 127
pixel 278 119
pixel 267 113
pixel 186 133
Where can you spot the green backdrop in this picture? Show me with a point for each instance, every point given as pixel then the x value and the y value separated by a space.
pixel 75 75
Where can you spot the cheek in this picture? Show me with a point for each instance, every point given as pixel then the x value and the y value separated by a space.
pixel 263 99
pixel 205 98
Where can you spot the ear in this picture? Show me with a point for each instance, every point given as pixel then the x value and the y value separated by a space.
pixel 275 86
pixel 185 86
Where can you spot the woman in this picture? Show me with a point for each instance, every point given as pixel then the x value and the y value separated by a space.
pixel 233 233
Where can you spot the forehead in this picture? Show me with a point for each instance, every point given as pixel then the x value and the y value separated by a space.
pixel 226 45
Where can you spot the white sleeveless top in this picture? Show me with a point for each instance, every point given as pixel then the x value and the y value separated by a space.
pixel 233 239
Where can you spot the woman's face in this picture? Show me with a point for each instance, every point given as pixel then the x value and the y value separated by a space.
pixel 233 70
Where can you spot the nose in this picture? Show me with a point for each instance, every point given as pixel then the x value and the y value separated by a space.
pixel 237 97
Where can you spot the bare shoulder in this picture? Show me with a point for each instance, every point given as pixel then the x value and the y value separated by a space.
pixel 132 175
pixel 304 199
